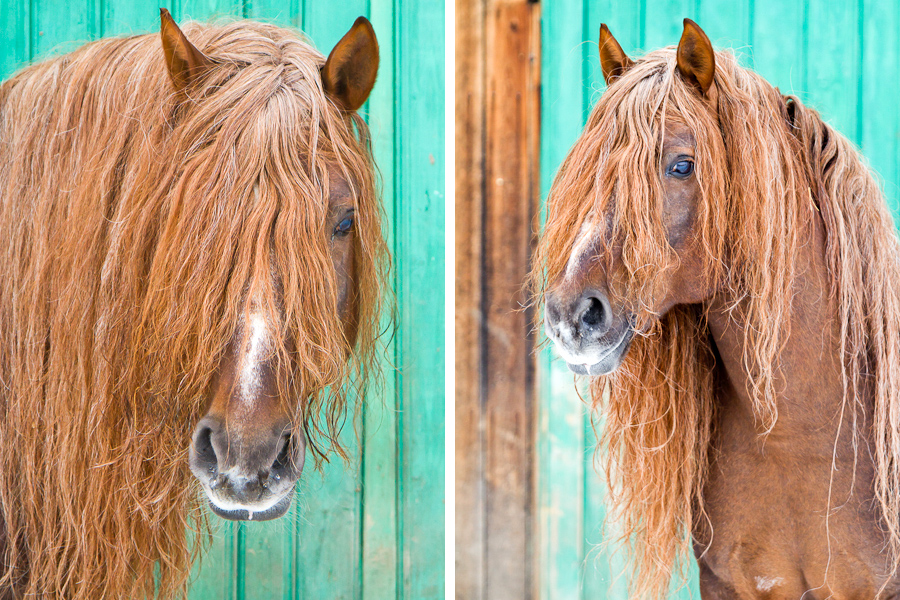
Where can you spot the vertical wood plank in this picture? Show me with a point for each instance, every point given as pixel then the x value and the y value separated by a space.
pixel 601 570
pixel 626 22
pixel 663 21
pixel 419 72
pixel 878 110
pixel 470 124
pixel 779 39
pixel 209 10
pixel 727 23
pixel 280 12
pixel 565 62
pixel 833 72
pixel 380 463
pixel 327 560
pixel 327 22
pixel 265 560
pixel 16 51
pixel 511 190
pixel 58 26
pixel 125 17
pixel 214 576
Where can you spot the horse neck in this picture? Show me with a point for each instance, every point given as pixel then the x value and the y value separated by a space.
pixel 808 384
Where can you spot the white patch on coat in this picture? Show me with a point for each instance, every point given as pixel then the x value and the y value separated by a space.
pixel 585 235
pixel 257 343
pixel 765 584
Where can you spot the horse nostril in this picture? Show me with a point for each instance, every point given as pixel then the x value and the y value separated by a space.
pixel 552 312
pixel 203 448
pixel 595 313
pixel 283 459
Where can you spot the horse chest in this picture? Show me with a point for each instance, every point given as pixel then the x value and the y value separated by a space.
pixel 768 512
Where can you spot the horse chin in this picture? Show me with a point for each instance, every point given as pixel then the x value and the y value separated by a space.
pixel 244 514
pixel 608 362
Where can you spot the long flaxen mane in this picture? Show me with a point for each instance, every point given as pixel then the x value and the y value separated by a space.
pixel 135 223
pixel 762 166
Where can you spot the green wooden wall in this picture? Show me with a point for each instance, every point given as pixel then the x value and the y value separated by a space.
pixel 374 529
pixel 841 57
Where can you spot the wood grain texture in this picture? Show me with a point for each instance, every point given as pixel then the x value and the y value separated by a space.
pixel 470 122
pixel 498 73
pixel 374 528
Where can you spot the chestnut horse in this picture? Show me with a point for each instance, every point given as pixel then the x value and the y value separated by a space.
pixel 723 264
pixel 192 266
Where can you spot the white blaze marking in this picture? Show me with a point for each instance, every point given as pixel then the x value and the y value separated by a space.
pixel 584 237
pixel 256 346
pixel 765 584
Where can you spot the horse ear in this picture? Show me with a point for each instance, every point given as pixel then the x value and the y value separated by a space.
pixel 186 64
pixel 696 58
pixel 613 59
pixel 349 73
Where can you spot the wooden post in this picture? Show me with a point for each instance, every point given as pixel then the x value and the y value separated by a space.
pixel 498 121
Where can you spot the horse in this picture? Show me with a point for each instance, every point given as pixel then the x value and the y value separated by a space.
pixel 193 267
pixel 723 266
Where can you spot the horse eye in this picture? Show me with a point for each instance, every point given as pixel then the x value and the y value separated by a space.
pixel 682 169
pixel 343 228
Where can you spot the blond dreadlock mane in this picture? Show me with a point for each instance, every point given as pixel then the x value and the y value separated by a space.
pixel 133 223
pixel 760 165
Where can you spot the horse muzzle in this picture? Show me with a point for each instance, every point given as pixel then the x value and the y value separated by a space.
pixel 246 478
pixel 586 332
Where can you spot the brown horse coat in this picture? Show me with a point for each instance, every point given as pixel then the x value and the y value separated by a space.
pixel 724 263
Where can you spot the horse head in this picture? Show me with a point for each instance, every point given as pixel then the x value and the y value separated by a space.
pixel 632 193
pixel 249 448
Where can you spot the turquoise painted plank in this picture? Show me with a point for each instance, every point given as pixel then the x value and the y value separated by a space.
pixel 208 10
pixel 214 575
pixel 626 23
pixel 280 12
pixel 663 21
pixel 419 242
pixel 327 560
pixel 327 22
pixel 380 559
pixel 562 102
pixel 16 50
pixel 329 553
pixel 605 574
pixel 559 443
pixel 58 26
pixel 125 17
pixel 267 559
pixel 833 63
pixel 780 43
pixel 727 23
pixel 877 111
pixel 596 566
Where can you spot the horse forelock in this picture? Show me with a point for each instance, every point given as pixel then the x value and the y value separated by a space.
pixel 610 181
pixel 151 222
pixel 764 167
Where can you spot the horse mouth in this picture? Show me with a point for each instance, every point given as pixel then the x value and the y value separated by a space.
pixel 609 361
pixel 248 514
